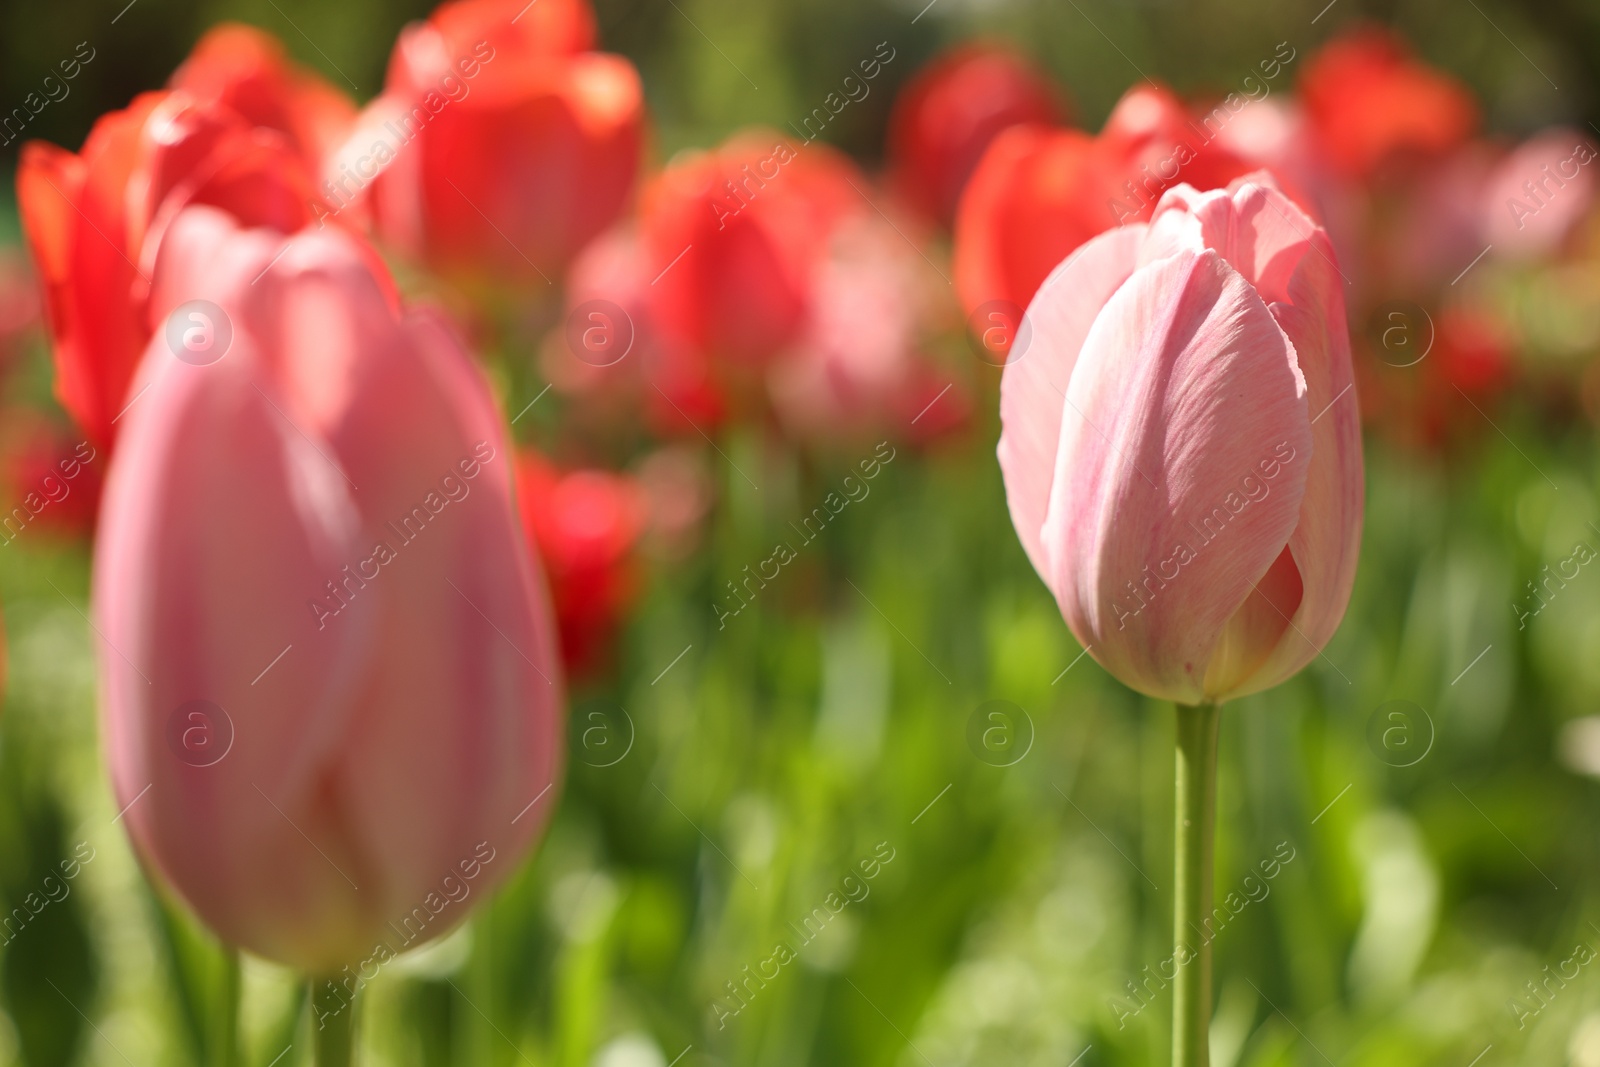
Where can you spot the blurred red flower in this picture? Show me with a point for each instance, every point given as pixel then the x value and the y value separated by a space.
pixel 1371 101
pixel 1039 192
pixel 948 113
pixel 245 69
pixel 94 220
pixel 1151 142
pixel 586 525
pixel 733 236
pixel 1029 204
pixel 1445 395
pixel 774 280
pixel 532 138
pixel 857 368
pixel 933 411
pixel 1474 353
pixel 611 357
pixel 52 480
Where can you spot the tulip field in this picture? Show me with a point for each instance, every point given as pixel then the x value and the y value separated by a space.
pixel 587 534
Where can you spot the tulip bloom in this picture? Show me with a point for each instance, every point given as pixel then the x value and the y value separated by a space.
pixel 1181 444
pixel 1040 192
pixel 735 236
pixel 504 142
pixel 1440 401
pixel 1540 193
pixel 856 372
pixel 243 68
pixel 586 526
pixel 768 270
pixel 94 222
pixel 949 112
pixel 331 691
pixel 1182 458
pixel 1370 101
pixel 1031 201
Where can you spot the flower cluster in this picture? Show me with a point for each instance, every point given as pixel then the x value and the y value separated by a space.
pixel 305 341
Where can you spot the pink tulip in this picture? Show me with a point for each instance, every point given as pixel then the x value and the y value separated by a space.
pixel 1181 445
pixel 1540 193
pixel 855 365
pixel 330 677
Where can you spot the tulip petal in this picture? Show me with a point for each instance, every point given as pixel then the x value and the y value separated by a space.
pixel 407 428
pixel 1256 628
pixel 1036 377
pixel 1180 471
pixel 948 112
pixel 49 180
pixel 1260 232
pixel 77 232
pixel 1327 540
pixel 198 589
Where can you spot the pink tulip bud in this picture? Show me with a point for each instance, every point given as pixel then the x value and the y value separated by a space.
pixel 332 702
pixel 1181 445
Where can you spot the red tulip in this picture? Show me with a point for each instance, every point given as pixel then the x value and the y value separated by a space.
pixel 1469 366
pixel 586 525
pixel 331 692
pixel 245 69
pixel 1150 143
pixel 611 357
pixel 1181 446
pixel 777 281
pixel 504 143
pixel 1039 193
pixel 1370 101
pixel 949 112
pixel 734 237
pixel 94 222
pixel 1032 200
pixel 1475 352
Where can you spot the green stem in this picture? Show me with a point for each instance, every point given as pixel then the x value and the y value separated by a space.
pixel 1196 789
pixel 227 1036
pixel 332 1023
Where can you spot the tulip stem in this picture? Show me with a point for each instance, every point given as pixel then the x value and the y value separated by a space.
pixel 332 1023
pixel 1193 830
pixel 227 1036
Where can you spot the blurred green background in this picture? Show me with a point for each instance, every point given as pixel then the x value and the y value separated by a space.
pixel 833 722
